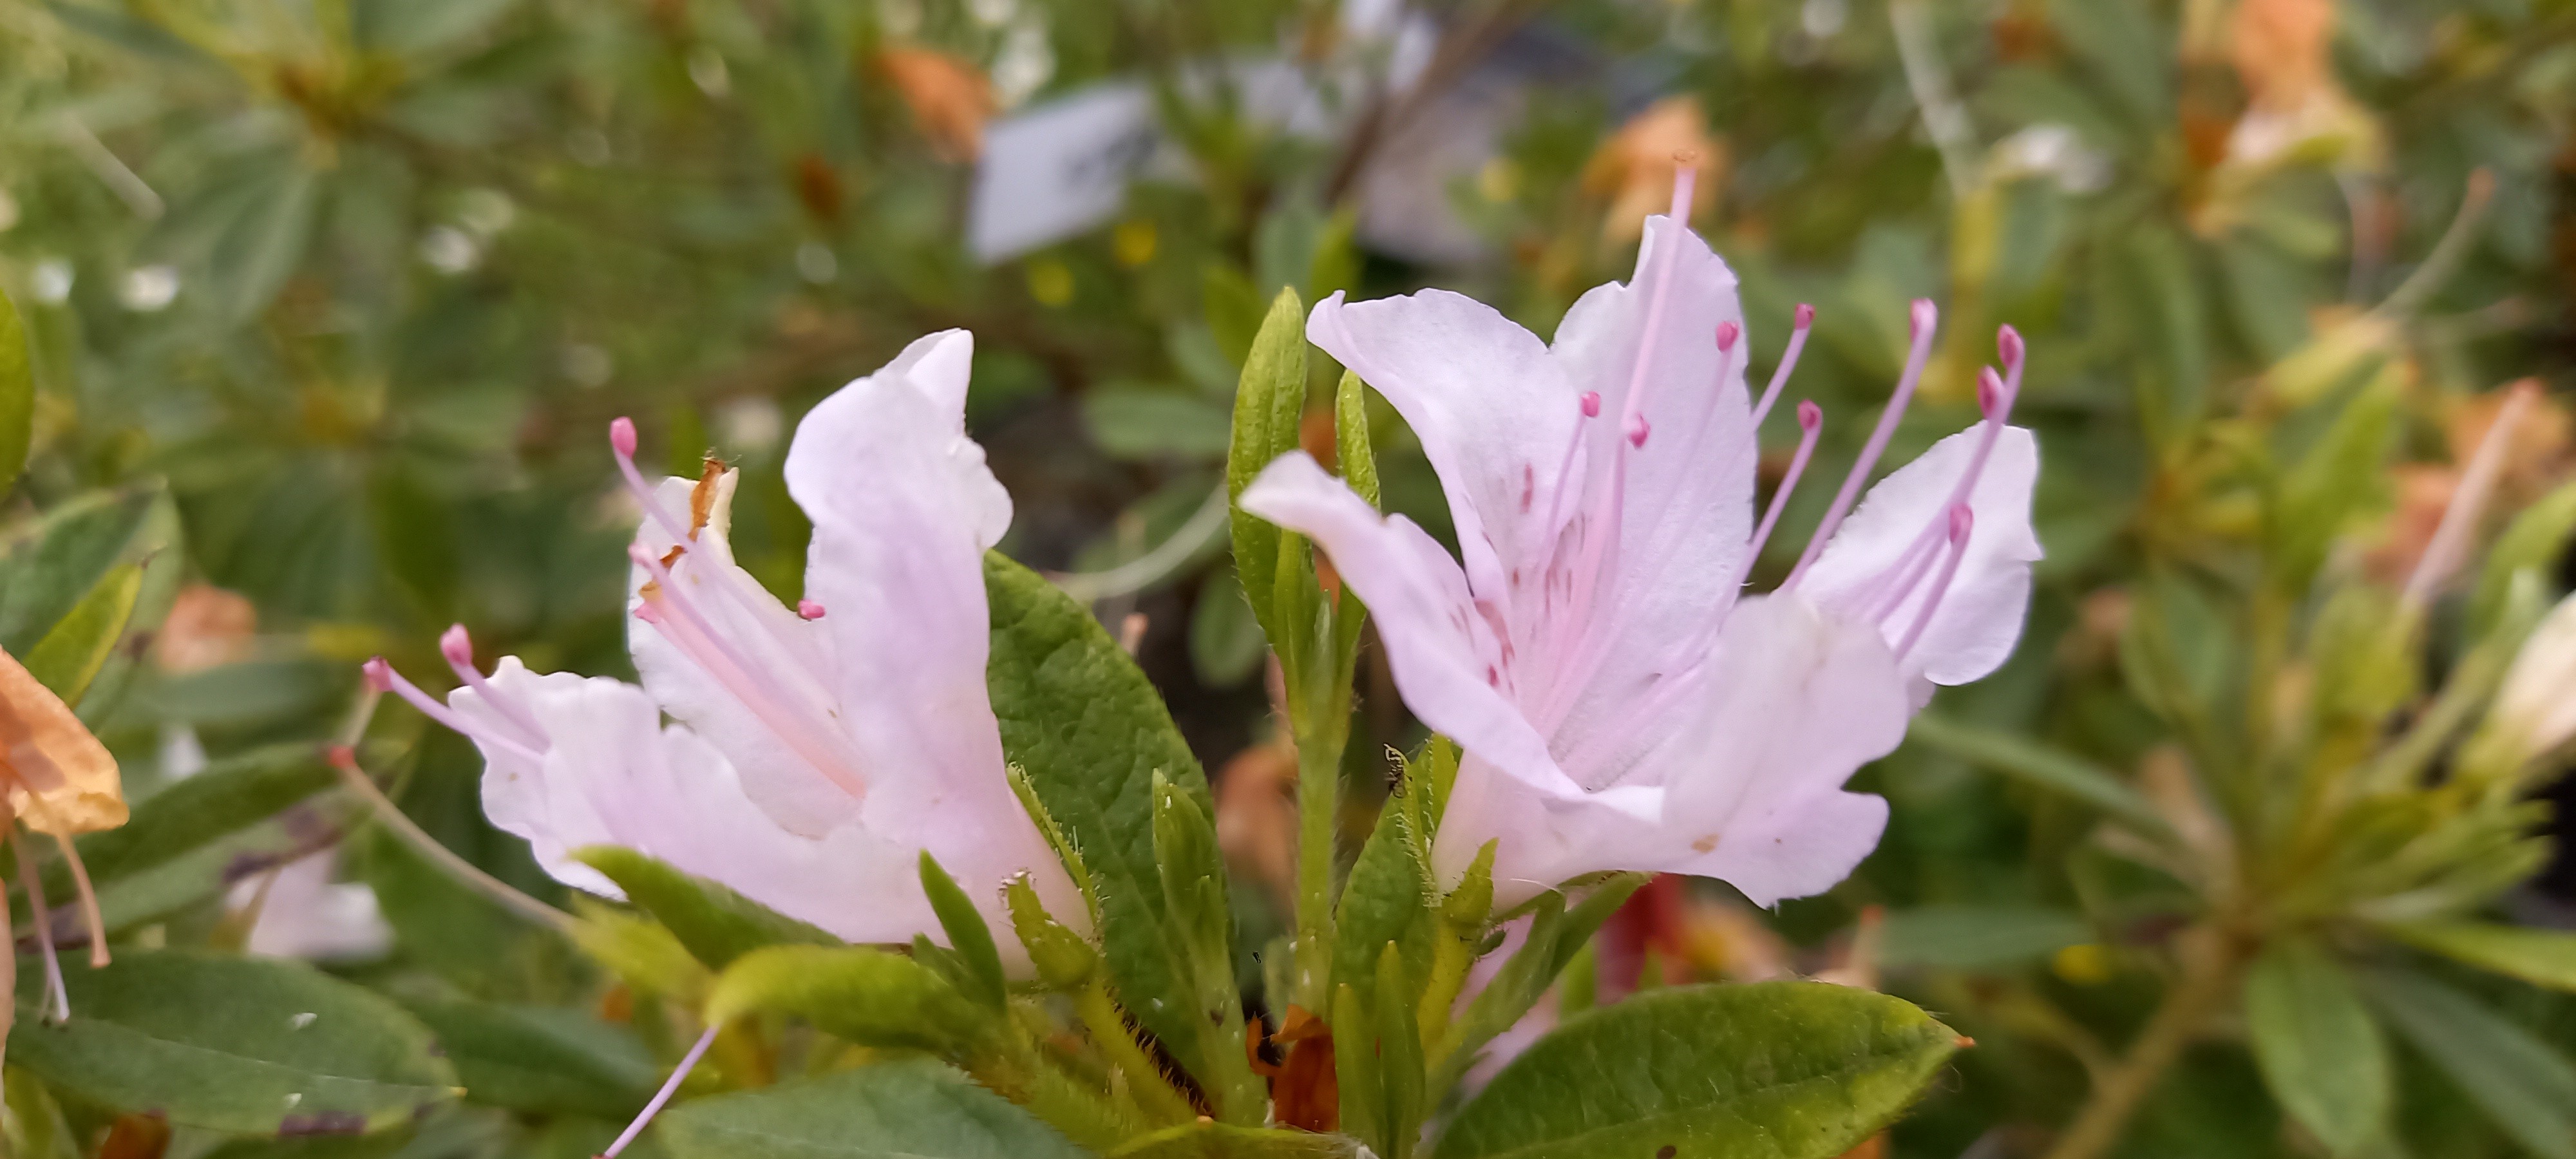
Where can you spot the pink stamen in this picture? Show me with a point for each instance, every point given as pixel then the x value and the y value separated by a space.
pixel 1995 398
pixel 1806 321
pixel 688 628
pixel 1962 520
pixel 1637 431
pixel 382 676
pixel 458 648
pixel 57 995
pixel 1565 480
pixel 621 438
pixel 1727 333
pixel 1925 319
pixel 670 1086
pixel 809 610
pixel 1591 404
pixel 1811 423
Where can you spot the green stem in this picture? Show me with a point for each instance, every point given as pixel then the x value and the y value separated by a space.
pixel 1319 784
pixel 2211 961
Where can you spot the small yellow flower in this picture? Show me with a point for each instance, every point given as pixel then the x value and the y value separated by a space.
pixel 1051 282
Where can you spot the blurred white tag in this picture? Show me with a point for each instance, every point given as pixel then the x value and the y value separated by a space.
pixel 1057 169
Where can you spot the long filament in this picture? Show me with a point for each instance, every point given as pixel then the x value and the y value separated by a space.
pixel 57 995
pixel 1926 319
pixel 387 679
pixel 670 1086
pixel 88 895
pixel 2460 517
pixel 690 630
pixel 1962 521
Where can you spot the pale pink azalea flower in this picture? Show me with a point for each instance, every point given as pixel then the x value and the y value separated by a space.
pixel 810 752
pixel 1621 704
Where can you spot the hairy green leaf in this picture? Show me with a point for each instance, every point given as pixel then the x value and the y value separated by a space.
pixel 70 655
pixel 229 795
pixel 1267 407
pixel 1089 734
pixel 1776 1070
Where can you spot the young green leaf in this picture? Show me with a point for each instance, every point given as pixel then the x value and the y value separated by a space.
pixel 17 394
pixel 2540 957
pixel 717 924
pixel 2319 1049
pixel 2537 537
pixel 866 995
pixel 968 934
pixel 1063 960
pixel 1556 933
pixel 1399 1055
pixel 1267 407
pixel 2522 1084
pixel 1088 734
pixel 905 1109
pixel 1775 1070
pixel 1194 896
pixel 70 655
pixel 50 569
pixel 253 1046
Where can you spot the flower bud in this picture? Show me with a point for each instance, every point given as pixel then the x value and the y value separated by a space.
pixel 2537 705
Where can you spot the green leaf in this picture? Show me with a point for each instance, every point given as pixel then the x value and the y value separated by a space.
pixel 866 995
pixel 17 395
pixel 2332 482
pixel 2526 1087
pixel 1089 733
pixel 717 924
pixel 225 797
pixel 1387 899
pixel 2540 957
pixel 406 27
pixel 1978 937
pixel 1227 1141
pixel 968 934
pixel 2537 537
pixel 1194 897
pixel 49 569
pixel 2040 766
pixel 540 1058
pixel 2319 1050
pixel 1399 1055
pixel 70 655
pixel 1356 457
pixel 253 1046
pixel 1268 404
pixel 907 1109
pixel 259 249
pixel 1778 1070
pixel 1151 424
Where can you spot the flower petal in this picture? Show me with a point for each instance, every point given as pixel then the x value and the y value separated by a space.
pixel 1686 507
pixel 1797 700
pixel 903 509
pixel 614 775
pixel 1973 630
pixel 1493 411
pixel 1447 659
pixel 768 666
